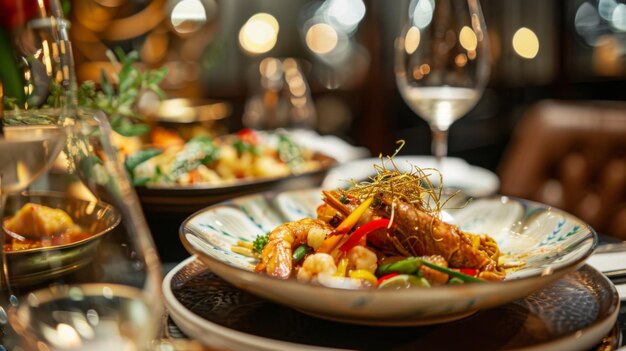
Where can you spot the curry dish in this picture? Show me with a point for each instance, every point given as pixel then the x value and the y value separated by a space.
pixel 35 226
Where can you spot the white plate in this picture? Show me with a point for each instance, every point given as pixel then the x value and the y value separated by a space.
pixel 575 313
pixel 553 242
pixel 457 173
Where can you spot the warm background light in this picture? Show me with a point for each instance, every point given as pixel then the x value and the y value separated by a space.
pixel 188 16
pixel 412 40
pixel 321 38
pixel 526 43
pixel 259 34
pixel 468 39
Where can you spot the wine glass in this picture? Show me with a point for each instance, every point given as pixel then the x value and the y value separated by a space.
pixel 280 96
pixel 79 268
pixel 95 283
pixel 442 63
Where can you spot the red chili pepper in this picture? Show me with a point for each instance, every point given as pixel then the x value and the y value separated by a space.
pixel 385 277
pixel 248 135
pixel 469 271
pixel 361 231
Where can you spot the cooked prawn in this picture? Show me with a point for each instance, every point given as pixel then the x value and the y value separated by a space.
pixel 316 264
pixel 276 257
pixel 428 235
pixel 363 258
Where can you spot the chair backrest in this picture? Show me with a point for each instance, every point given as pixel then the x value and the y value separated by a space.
pixel 572 155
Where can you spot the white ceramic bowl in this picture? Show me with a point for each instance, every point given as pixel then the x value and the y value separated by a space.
pixel 550 241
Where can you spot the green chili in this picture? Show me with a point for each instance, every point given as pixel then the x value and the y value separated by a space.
pixel 406 266
pixel 300 252
pixel 464 277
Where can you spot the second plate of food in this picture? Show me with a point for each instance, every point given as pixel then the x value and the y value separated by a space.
pixel 387 252
pixel 174 175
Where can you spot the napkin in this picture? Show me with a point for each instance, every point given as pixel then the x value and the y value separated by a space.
pixel 607 262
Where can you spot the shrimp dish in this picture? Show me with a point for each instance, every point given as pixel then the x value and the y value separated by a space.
pixel 383 233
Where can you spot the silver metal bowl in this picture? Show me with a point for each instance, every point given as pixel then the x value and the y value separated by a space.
pixel 32 266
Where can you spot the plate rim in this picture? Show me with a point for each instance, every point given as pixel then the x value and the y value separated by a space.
pixel 250 340
pixel 176 309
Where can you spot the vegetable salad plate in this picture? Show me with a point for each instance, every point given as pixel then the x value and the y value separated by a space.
pixel 543 244
pixel 576 313
pixel 172 174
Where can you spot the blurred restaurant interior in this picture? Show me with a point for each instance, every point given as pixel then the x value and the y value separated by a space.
pixel 560 51
pixel 568 50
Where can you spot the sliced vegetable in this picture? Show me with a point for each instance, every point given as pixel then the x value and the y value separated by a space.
pixel 385 277
pixel 455 280
pixel 464 277
pixel 248 136
pixel 243 251
pixel 199 150
pixel 244 147
pixel 363 274
pixel 403 281
pixel 342 267
pixel 353 217
pixel 139 157
pixel 259 243
pixel 411 265
pixel 300 252
pixel 289 152
pixel 407 266
pixel 469 271
pixel 329 243
pixel 343 199
pixel 363 230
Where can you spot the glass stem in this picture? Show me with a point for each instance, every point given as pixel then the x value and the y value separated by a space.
pixel 5 290
pixel 4 272
pixel 439 144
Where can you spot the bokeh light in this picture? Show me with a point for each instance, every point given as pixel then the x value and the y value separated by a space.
pixel 345 14
pixel 412 40
pixel 423 13
pixel 526 43
pixel 259 34
pixel 618 18
pixel 188 16
pixel 468 39
pixel 321 38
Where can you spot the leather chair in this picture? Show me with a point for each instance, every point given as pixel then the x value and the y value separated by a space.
pixel 571 155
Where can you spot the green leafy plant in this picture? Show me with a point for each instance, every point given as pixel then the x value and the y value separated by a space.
pixel 118 96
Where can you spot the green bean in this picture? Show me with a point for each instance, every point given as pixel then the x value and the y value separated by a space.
pixel 464 277
pixel 412 265
pixel 455 280
pixel 407 266
pixel 300 252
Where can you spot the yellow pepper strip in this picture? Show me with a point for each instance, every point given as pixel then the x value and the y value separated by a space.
pixel 364 274
pixel 244 251
pixel 353 217
pixel 329 243
pixel 246 244
pixel 342 267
